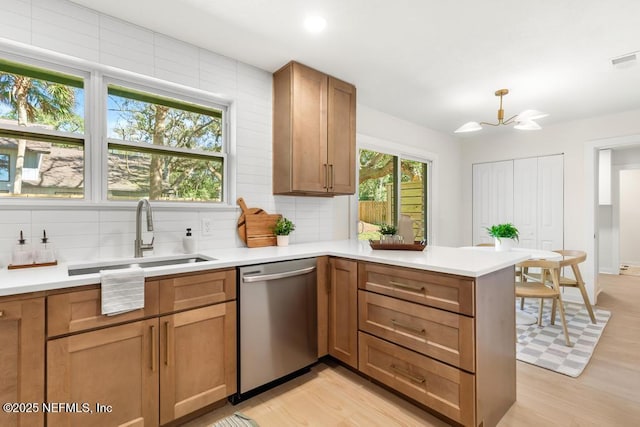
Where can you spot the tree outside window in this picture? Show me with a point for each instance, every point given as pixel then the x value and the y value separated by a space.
pixel 390 186
pixel 163 148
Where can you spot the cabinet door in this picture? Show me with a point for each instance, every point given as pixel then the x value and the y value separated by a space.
pixel 198 359
pixel 22 359
pixel 525 201
pixel 341 137
pixel 343 311
pixel 115 366
pixel 309 124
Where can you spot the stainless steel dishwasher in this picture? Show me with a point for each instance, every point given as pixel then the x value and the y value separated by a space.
pixel 278 323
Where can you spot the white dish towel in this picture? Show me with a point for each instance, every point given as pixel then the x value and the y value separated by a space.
pixel 122 290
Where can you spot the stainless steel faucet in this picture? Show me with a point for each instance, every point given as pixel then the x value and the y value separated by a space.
pixel 138 245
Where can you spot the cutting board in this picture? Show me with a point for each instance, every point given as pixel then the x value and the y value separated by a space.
pixel 242 224
pixel 259 229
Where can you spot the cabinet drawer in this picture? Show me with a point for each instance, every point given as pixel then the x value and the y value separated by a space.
pixel 443 388
pixel 81 310
pixel 437 333
pixel 444 291
pixel 197 290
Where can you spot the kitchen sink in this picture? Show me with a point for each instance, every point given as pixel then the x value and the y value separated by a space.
pixel 76 270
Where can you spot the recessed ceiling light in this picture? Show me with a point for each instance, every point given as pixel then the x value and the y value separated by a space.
pixel 315 23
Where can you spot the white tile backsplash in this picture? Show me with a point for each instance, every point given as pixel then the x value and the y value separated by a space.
pixel 86 234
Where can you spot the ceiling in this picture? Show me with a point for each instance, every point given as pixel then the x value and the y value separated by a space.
pixel 435 63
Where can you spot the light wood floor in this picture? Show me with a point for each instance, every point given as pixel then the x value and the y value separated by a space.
pixel 606 394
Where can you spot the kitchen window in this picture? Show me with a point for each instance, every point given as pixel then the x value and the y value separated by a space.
pixel 163 148
pixel 390 186
pixel 42 137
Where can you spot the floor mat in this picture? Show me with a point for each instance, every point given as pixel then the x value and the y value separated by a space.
pixel 236 420
pixel 544 345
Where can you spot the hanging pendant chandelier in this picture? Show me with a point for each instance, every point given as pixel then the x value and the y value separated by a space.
pixel 522 121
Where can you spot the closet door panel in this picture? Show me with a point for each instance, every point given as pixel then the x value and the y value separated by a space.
pixel 550 202
pixel 525 201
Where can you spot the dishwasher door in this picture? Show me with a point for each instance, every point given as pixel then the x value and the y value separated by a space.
pixel 278 322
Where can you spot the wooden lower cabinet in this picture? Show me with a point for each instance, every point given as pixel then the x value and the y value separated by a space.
pixel 198 359
pixel 116 366
pixel 151 366
pixel 22 359
pixel 443 388
pixel 343 311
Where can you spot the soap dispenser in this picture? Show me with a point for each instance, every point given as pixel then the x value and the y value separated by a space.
pixel 188 243
pixel 44 253
pixel 22 254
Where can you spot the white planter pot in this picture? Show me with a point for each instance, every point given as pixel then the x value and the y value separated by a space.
pixel 283 240
pixel 504 245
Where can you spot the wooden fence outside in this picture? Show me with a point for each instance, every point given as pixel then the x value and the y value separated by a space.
pixel 411 203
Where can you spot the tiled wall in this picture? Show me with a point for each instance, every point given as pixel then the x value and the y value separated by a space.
pixel 86 233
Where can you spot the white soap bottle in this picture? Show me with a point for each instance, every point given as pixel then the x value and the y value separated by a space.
pixel 44 253
pixel 22 254
pixel 189 243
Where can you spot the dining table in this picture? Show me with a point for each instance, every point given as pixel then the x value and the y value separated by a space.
pixel 522 317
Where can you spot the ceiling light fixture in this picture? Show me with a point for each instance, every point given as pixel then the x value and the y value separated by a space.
pixel 315 23
pixel 522 121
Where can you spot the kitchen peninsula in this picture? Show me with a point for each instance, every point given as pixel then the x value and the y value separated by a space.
pixel 449 346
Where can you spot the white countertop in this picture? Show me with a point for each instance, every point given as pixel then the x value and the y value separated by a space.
pixel 461 261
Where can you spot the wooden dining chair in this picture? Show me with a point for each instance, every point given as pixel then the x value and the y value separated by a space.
pixel 571 258
pixel 544 290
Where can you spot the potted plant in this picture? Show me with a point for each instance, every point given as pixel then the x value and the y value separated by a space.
pixel 387 232
pixel 282 229
pixel 504 236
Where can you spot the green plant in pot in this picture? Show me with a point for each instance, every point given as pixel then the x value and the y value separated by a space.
pixel 282 229
pixel 387 232
pixel 504 235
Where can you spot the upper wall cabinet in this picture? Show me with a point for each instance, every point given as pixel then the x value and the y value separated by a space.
pixel 314 133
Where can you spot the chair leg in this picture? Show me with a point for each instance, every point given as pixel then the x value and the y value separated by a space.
pixel 540 311
pixel 522 303
pixel 583 291
pixel 553 312
pixel 564 322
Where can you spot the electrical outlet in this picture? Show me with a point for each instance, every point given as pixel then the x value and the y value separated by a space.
pixel 206 227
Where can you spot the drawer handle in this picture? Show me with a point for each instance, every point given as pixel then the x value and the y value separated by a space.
pixel 1 313
pixel 407 286
pixel 407 374
pixel 407 327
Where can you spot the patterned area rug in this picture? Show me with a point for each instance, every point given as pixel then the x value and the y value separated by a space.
pixel 236 420
pixel 544 345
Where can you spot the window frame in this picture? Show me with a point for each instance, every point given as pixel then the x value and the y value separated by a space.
pixel 95 151
pixel 50 135
pixel 161 90
pixel 401 152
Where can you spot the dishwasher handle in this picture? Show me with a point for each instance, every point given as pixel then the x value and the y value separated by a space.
pixel 266 277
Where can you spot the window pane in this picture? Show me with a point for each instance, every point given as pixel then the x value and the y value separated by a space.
pixel 48 169
pixel 376 193
pixel 133 175
pixel 146 119
pixel 413 195
pixel 4 167
pixel 39 98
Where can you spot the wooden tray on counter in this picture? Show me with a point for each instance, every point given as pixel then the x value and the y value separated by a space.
pixel 415 246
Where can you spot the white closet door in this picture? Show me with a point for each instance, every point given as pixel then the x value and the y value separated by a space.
pixel 551 202
pixel 492 197
pixel 525 201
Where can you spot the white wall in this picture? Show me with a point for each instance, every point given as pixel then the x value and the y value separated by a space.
pixel 385 130
pixel 572 139
pixel 65 28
